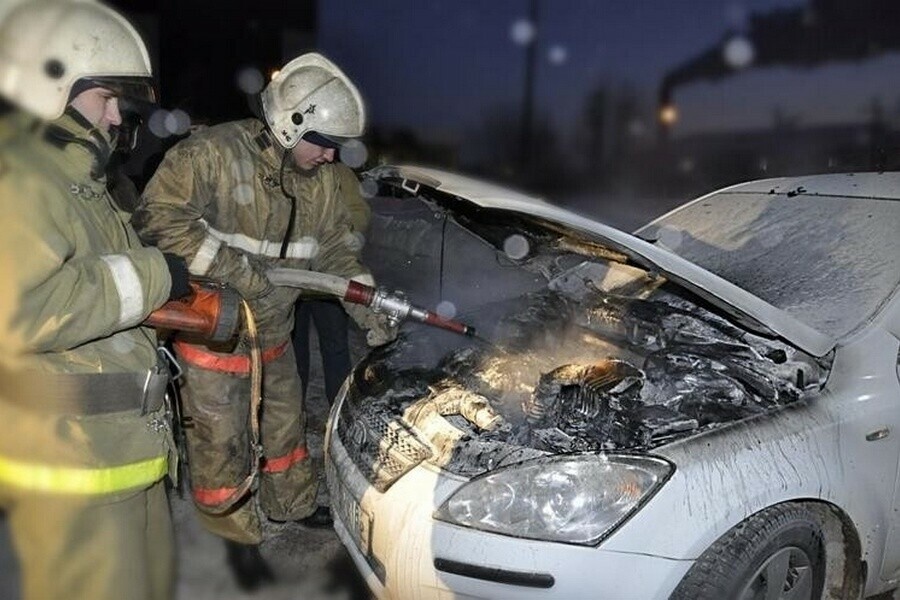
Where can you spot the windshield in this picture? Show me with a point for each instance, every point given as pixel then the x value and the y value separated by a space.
pixel 828 261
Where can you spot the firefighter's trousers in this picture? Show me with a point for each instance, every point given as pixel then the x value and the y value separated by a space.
pixel 217 405
pixel 92 547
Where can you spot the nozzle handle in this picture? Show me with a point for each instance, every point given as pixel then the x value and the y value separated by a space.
pixel 437 320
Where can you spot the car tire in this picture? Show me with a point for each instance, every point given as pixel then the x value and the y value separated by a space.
pixel 779 546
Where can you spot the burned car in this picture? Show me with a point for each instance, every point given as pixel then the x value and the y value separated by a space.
pixel 708 408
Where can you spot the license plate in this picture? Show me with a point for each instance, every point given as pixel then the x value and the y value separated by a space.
pixel 357 521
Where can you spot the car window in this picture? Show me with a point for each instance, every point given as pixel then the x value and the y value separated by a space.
pixel 829 261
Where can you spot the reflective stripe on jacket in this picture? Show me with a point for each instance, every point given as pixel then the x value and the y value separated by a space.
pixel 67 480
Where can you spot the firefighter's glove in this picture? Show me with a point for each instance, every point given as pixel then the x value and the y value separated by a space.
pixel 179 274
pixel 379 330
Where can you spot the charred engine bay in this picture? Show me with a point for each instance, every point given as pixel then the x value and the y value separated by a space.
pixel 580 352
pixel 573 371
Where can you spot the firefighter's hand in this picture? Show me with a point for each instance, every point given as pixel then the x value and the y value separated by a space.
pixel 380 331
pixel 378 328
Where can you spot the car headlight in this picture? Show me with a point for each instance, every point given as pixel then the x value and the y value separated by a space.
pixel 578 499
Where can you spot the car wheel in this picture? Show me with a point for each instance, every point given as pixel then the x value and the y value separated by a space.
pixel 777 553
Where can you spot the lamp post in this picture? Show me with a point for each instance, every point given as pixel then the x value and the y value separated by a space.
pixel 524 32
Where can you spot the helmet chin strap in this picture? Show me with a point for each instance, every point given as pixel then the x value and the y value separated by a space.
pixel 99 143
pixel 285 242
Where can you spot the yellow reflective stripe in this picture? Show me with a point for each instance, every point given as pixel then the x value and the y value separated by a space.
pixel 67 480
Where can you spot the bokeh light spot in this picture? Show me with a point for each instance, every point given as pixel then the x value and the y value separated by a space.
pixel 522 32
pixel 157 123
pixel 242 194
pixel 516 246
pixel 670 237
pixel 446 309
pixel 738 52
pixel 250 80
pixel 558 55
pixel 242 172
pixel 177 122
pixel 123 344
pixel 354 154
pixel 368 188
pixel 668 115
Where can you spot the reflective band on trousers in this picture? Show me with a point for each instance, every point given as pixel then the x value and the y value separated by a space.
pixel 237 364
pixel 70 480
pixel 213 497
pixel 283 463
pixel 279 464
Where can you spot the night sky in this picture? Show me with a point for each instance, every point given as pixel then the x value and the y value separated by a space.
pixel 444 83
pixel 437 66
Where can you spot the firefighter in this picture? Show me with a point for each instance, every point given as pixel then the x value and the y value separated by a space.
pixel 86 441
pixel 235 200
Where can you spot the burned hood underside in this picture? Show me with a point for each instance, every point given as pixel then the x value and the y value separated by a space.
pixel 577 366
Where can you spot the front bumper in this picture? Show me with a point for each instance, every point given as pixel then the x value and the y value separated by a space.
pixel 396 543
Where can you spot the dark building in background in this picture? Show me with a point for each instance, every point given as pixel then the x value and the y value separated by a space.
pixel 207 56
pixel 201 47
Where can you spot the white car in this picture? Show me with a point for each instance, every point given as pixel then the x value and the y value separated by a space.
pixel 707 409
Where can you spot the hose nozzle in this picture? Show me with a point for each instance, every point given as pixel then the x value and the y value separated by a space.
pixel 397 308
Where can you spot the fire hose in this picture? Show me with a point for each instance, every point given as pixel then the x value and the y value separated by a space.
pixel 393 305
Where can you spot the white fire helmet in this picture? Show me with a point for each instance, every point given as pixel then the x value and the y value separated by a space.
pixel 311 95
pixel 46 46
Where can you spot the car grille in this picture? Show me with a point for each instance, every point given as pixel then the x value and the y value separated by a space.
pixel 382 447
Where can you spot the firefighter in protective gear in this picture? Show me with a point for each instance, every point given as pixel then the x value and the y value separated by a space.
pixel 87 445
pixel 235 200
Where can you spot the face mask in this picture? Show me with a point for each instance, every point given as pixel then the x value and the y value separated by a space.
pixel 125 135
pixel 104 144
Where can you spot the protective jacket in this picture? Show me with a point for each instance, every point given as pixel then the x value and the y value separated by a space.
pixel 76 285
pixel 222 199
pixel 81 395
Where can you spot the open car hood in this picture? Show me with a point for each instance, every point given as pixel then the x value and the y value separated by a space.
pixel 582 346
pixel 744 307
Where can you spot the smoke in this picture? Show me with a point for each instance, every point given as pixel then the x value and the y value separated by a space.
pixel 807 36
